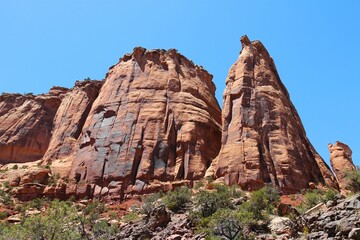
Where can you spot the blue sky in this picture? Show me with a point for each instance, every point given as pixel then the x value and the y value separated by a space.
pixel 315 45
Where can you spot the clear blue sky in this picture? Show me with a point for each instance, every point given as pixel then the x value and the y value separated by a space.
pixel 315 45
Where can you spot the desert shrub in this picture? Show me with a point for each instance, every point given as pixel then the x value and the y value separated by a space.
pixel 15 167
pixel 93 210
pixel 37 203
pixel 208 202
pixel 229 223
pixel 5 198
pixel 262 202
pixel 177 199
pixel 354 179
pixel 130 217
pixel 3 215
pixel 316 196
pixel 149 203
pixel 101 230
pixel 59 221
pixel 7 185
pixel 53 179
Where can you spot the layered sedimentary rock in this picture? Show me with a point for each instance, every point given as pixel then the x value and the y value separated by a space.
pixel 341 163
pixel 263 139
pixel 155 120
pixel 26 123
pixel 70 118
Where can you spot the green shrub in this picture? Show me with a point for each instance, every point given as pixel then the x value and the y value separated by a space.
pixel 208 202
pixel 3 215
pixel 58 222
pixel 15 167
pixel 37 203
pixel 262 202
pixel 93 210
pixel 5 198
pixel 354 179
pixel 229 223
pixel 177 199
pixel 53 179
pixel 101 230
pixel 132 216
pixel 149 203
pixel 316 196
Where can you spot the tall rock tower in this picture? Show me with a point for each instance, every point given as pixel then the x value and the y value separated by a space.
pixel 263 139
pixel 155 123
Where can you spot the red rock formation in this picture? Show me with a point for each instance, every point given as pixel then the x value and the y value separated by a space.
pixel 25 125
pixel 263 139
pixel 69 120
pixel 341 163
pixel 155 120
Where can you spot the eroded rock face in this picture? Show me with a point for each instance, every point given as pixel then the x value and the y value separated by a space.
pixel 341 163
pixel 263 139
pixel 155 120
pixel 69 120
pixel 25 125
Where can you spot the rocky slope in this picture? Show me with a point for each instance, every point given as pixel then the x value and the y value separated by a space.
pixel 263 139
pixel 155 120
pixel 341 163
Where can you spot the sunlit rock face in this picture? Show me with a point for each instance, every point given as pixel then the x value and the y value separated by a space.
pixel 341 163
pixel 26 123
pixel 154 124
pixel 263 139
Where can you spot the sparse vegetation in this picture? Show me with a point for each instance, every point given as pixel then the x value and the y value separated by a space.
pixel 130 217
pixel 149 203
pixel 53 179
pixel 354 179
pixel 316 196
pixel 177 199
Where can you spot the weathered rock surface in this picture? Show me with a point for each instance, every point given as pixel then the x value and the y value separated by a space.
pixel 341 163
pixel 263 139
pixel 155 119
pixel 341 220
pixel 26 123
pixel 67 126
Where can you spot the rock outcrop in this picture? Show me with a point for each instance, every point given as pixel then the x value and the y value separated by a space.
pixel 26 123
pixel 68 123
pixel 339 219
pixel 341 163
pixel 154 123
pixel 263 139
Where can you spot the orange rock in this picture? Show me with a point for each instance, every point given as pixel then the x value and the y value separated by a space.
pixel 156 118
pixel 69 119
pixel 26 125
pixel 263 139
pixel 341 162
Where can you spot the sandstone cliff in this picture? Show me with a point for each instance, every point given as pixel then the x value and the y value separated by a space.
pixel 341 163
pixel 26 123
pixel 263 139
pixel 155 122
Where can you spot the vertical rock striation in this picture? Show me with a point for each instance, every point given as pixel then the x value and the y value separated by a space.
pixel 26 123
pixel 263 139
pixel 155 120
pixel 341 163
pixel 70 118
